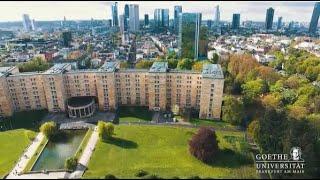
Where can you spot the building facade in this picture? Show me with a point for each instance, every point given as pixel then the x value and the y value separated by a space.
pixel 27 24
pixel 158 88
pixel 315 18
pixel 216 16
pixel 269 18
pixel 134 24
pixel 114 10
pixel 235 21
pixel 177 11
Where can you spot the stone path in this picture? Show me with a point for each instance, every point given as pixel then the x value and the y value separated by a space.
pixel 86 155
pixel 28 153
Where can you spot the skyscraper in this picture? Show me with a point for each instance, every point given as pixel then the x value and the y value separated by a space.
pixel 269 18
pixel 121 23
pixel 126 17
pixel 114 10
pixel 192 37
pixel 235 21
pixel 161 18
pixel 177 11
pixel 33 25
pixel 134 18
pixel 146 20
pixel 216 15
pixel 315 17
pixel 66 38
pixel 279 25
pixel 27 22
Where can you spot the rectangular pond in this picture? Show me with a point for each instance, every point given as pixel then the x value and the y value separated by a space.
pixel 56 152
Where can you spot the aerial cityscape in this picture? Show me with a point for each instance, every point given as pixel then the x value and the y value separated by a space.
pixel 159 89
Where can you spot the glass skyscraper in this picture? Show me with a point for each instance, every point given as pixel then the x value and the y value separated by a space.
pixel 146 20
pixel 216 15
pixel 134 18
pixel 235 21
pixel 126 17
pixel 315 17
pixel 269 18
pixel 193 38
pixel 177 11
pixel 114 10
pixel 279 25
pixel 27 22
pixel 161 19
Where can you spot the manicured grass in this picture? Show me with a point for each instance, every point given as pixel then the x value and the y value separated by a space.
pixel 36 155
pixel 163 151
pixel 13 143
pixel 83 144
pixel 212 123
pixel 134 114
pixel 26 119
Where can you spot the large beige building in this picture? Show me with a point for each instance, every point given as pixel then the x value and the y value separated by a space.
pixel 158 88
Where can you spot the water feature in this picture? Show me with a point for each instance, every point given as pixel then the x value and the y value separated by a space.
pixel 56 152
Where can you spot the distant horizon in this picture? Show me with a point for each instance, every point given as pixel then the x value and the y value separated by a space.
pixel 11 11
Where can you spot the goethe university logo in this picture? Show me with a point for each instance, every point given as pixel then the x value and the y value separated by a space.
pixel 291 163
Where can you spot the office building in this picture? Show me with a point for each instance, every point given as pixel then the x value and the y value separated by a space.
pixel 216 16
pixel 235 21
pixel 146 20
pixel 27 22
pixel 114 11
pixel 269 18
pixel 161 19
pixel 66 38
pixel 121 23
pixel 279 24
pixel 126 17
pixel 192 40
pixel 177 11
pixel 134 18
pixel 315 18
pixel 109 87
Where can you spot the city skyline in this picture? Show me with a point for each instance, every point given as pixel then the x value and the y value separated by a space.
pixel 12 11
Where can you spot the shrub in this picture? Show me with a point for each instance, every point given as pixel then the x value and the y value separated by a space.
pixel 194 177
pixel 71 163
pixel 153 176
pixel 110 176
pixel 29 135
pixel 141 173
pixel 204 144
pixel 49 129
pixel 105 130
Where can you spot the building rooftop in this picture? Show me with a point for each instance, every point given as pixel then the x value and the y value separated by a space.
pixel 110 66
pixel 159 67
pixel 212 71
pixel 6 70
pixel 59 68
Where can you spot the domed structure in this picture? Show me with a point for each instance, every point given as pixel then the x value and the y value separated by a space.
pixel 81 107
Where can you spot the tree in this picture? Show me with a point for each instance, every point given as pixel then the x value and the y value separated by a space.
pixel 49 129
pixel 144 64
pixel 204 144
pixel 233 110
pixel 240 65
pixel 272 100
pixel 185 64
pixel 253 130
pixel 272 128
pixel 71 163
pixel 110 176
pixel 124 65
pixel 214 59
pixel 251 90
pixel 106 130
pixel 36 64
pixel 172 63
pixel 297 112
pixel 198 65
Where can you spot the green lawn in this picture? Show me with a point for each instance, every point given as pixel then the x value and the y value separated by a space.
pixel 83 144
pixel 134 114
pixel 27 119
pixel 213 123
pixel 163 151
pixel 13 143
pixel 36 155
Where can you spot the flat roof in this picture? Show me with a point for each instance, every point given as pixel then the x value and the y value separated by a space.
pixel 58 68
pixel 159 67
pixel 212 71
pixel 109 66
pixel 6 70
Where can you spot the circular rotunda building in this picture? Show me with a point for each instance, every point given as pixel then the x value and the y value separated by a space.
pixel 81 107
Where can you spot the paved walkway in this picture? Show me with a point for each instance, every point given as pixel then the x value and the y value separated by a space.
pixel 28 153
pixel 86 155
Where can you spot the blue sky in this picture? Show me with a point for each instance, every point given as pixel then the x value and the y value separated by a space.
pixel 55 10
